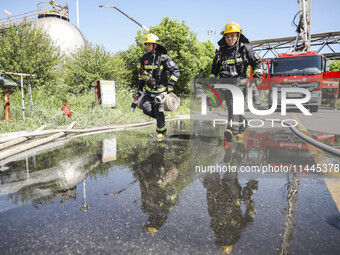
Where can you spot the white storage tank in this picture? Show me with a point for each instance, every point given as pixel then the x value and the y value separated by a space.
pixel 54 19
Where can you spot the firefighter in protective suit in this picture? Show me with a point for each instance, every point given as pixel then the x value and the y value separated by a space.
pixel 154 65
pixel 156 177
pixel 231 62
pixel 225 197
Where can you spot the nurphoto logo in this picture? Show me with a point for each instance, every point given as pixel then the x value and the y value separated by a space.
pixel 238 100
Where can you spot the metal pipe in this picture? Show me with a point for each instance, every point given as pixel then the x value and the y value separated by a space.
pixel 22 96
pixel 6 104
pixel 30 96
pixel 21 74
pixel 129 17
pixel 22 90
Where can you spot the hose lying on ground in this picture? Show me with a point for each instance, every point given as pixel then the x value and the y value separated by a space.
pixel 87 130
pixel 60 134
pixel 316 143
pixel 31 144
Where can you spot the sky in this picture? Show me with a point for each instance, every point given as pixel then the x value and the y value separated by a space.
pixel 262 19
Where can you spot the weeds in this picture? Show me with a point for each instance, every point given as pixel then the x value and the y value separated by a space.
pixel 47 110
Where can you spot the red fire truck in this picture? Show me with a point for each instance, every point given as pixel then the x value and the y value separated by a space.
pixel 281 147
pixel 301 68
pixel 306 70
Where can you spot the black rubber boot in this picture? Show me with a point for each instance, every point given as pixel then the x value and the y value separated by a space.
pixel 228 135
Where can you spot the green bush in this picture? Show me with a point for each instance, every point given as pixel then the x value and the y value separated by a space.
pixel 93 62
pixel 27 49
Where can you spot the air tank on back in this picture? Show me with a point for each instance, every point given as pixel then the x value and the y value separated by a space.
pixel 54 19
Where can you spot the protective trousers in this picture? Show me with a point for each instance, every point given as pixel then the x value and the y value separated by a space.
pixel 151 108
pixel 236 123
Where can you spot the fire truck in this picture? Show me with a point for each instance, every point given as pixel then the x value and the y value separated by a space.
pixel 307 70
pixel 282 147
pixel 301 68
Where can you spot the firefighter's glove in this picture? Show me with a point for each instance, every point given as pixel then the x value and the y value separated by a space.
pixel 135 96
pixel 160 88
pixel 145 76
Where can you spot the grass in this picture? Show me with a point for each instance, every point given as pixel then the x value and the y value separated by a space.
pixel 47 110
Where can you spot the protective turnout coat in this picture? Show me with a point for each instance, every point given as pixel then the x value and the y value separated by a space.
pixel 232 62
pixel 156 65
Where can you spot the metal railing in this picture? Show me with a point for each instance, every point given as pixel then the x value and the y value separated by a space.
pixel 52 8
pixel 18 19
pixel 319 42
pixel 45 9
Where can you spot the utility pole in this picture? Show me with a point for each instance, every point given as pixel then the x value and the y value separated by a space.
pixel 77 15
pixel 211 32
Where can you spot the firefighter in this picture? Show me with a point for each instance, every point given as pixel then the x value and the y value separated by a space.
pixel 231 62
pixel 153 76
pixel 225 200
pixel 226 197
pixel 157 177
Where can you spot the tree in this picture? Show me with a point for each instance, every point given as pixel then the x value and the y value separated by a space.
pixel 207 53
pixel 27 49
pixel 335 66
pixel 192 57
pixel 93 62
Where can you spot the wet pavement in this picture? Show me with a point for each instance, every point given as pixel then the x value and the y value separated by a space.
pixel 124 193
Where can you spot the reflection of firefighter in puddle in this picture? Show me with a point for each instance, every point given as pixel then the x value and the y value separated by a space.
pixel 225 197
pixel 159 197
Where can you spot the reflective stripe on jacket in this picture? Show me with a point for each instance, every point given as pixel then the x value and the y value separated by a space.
pixel 158 64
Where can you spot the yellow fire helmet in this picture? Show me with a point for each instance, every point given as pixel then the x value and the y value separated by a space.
pixel 152 231
pixel 226 249
pixel 232 27
pixel 151 38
